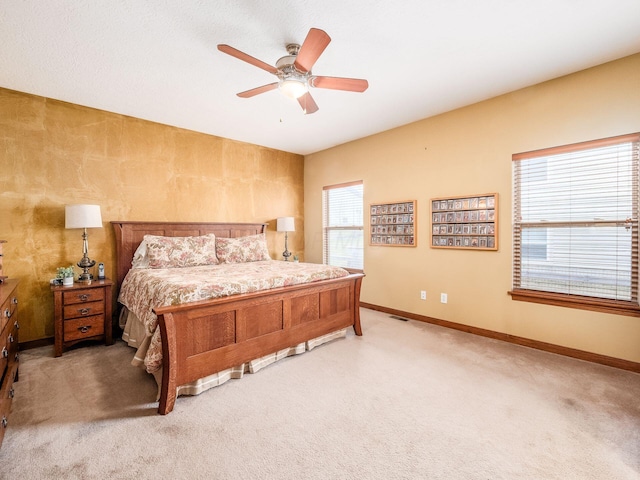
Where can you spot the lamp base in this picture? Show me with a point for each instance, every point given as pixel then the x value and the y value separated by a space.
pixel 286 254
pixel 85 264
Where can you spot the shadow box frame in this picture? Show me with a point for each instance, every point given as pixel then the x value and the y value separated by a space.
pixel 465 222
pixel 393 224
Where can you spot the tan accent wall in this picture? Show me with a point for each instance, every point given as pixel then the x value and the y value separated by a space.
pixel 468 151
pixel 54 153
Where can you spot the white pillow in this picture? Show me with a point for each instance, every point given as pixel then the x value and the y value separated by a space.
pixel 140 257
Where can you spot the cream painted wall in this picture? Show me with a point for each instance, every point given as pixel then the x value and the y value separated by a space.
pixel 54 153
pixel 468 151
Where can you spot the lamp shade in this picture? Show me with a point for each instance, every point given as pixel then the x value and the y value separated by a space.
pixel 285 224
pixel 82 216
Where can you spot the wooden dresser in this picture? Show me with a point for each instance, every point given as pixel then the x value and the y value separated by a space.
pixel 82 312
pixel 8 348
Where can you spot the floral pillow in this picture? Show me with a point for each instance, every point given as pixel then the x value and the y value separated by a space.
pixel 171 252
pixel 251 248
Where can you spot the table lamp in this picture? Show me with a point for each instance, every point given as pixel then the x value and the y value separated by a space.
pixel 83 216
pixel 285 224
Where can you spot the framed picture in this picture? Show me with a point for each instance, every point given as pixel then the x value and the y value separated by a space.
pixel 465 222
pixel 392 224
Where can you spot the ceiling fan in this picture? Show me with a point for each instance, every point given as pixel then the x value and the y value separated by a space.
pixel 294 71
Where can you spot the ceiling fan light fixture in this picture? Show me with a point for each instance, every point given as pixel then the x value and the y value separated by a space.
pixel 293 87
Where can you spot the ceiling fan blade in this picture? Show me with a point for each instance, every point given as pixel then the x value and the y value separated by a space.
pixel 312 47
pixel 234 52
pixel 338 83
pixel 258 90
pixel 307 103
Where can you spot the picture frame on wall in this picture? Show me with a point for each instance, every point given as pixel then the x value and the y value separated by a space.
pixel 398 220
pixel 465 222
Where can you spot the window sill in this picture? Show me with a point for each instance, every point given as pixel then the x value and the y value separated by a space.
pixel 574 301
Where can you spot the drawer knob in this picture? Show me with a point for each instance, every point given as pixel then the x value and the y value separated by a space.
pixel 7 313
pixel 84 328
pixel 11 393
pixel 84 297
pixel 10 338
pixel 16 324
pixel 84 311
pixel 17 357
pixel 14 300
pixel 4 422
pixel 5 352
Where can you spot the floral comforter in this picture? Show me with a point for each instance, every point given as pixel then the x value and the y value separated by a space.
pixel 144 289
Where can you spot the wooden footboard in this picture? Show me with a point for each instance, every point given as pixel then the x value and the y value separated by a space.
pixel 202 338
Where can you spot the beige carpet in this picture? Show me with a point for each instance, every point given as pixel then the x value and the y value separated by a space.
pixel 405 401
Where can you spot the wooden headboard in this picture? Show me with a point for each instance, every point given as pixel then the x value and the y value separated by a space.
pixel 130 234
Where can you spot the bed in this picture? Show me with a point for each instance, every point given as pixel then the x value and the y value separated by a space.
pixel 200 338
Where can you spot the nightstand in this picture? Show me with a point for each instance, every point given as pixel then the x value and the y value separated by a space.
pixel 82 312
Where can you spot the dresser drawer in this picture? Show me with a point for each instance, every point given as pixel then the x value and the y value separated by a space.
pixel 4 349
pixel 12 337
pixel 83 295
pixel 5 408
pixel 7 391
pixel 87 309
pixel 8 310
pixel 5 314
pixel 80 328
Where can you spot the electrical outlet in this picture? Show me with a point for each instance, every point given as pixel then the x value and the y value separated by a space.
pixel 443 298
pixel 423 295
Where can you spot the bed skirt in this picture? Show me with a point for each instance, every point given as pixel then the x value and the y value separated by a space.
pixel 134 334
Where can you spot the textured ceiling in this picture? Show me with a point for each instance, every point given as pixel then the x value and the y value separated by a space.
pixel 157 59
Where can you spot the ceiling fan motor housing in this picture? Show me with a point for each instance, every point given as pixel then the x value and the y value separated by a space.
pixel 286 68
pixel 293 83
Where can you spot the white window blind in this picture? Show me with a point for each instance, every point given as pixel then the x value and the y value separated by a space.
pixel 575 226
pixel 343 225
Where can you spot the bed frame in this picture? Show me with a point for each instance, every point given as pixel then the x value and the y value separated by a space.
pixel 205 337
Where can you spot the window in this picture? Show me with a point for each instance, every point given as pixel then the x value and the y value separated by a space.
pixel 343 225
pixel 534 243
pixel 575 226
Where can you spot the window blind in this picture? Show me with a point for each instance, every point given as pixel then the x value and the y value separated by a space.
pixel 575 226
pixel 343 225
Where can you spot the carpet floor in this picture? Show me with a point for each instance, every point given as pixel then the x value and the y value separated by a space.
pixel 407 400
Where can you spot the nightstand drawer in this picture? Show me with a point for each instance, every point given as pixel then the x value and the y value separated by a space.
pixel 83 295
pixel 80 328
pixel 83 309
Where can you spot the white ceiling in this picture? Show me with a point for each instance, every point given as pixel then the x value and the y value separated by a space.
pixel 157 59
